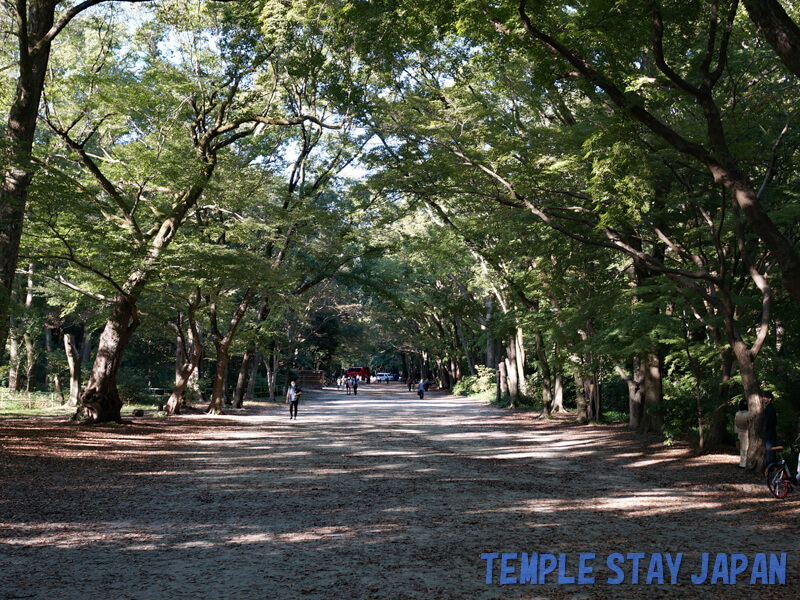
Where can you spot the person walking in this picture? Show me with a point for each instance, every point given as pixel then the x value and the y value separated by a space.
pixel 770 425
pixel 347 385
pixel 741 421
pixel 355 386
pixel 421 389
pixel 292 397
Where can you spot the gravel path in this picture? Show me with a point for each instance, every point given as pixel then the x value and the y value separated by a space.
pixel 380 495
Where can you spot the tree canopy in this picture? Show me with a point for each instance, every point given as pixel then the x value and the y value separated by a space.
pixel 587 207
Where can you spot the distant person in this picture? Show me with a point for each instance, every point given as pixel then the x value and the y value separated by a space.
pixel 410 382
pixel 741 421
pixel 355 387
pixel 770 425
pixel 292 398
pixel 421 389
pixel 347 382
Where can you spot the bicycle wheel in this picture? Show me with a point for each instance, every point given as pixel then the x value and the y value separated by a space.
pixel 777 482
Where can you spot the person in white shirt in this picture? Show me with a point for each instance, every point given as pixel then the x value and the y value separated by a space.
pixel 741 421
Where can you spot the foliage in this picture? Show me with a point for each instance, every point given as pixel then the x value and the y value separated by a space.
pixel 483 381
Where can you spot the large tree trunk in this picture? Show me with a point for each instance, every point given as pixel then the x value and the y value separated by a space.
pixel 74 360
pixel 17 172
pixel 756 450
pixel 100 401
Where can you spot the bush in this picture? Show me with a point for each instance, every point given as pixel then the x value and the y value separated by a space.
pixel 484 381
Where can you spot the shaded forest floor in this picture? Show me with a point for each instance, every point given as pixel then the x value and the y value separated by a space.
pixel 375 496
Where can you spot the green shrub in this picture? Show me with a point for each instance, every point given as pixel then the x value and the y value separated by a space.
pixel 483 381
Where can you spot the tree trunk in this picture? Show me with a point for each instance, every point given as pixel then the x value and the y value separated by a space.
pixel 718 428
pixel 17 171
pixel 519 356
pixel 778 28
pixel 756 450
pixel 15 338
pixel 544 365
pixel 467 354
pixel 100 401
pixel 218 387
pixel 187 355
pixel 241 381
pixel 272 372
pixel 444 375
pixel 74 360
pixel 223 345
pixel 511 371
pixel 30 365
pixel 636 392
pixel 48 346
pixel 635 383
pixel 30 340
pixel 580 396
pixel 86 347
pixel 653 394
pixel 592 387
pixel 558 394
pixel 492 352
pixel 251 385
pixel 503 378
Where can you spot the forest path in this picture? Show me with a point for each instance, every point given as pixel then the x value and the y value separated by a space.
pixel 379 495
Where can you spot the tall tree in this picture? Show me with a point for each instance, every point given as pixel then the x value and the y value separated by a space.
pixel 36 24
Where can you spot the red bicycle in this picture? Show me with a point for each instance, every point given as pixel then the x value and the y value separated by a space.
pixel 780 479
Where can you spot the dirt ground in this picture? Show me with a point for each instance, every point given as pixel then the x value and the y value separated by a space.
pixel 375 496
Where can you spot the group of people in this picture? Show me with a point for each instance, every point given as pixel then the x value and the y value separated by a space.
pixel 348 383
pixel 742 421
